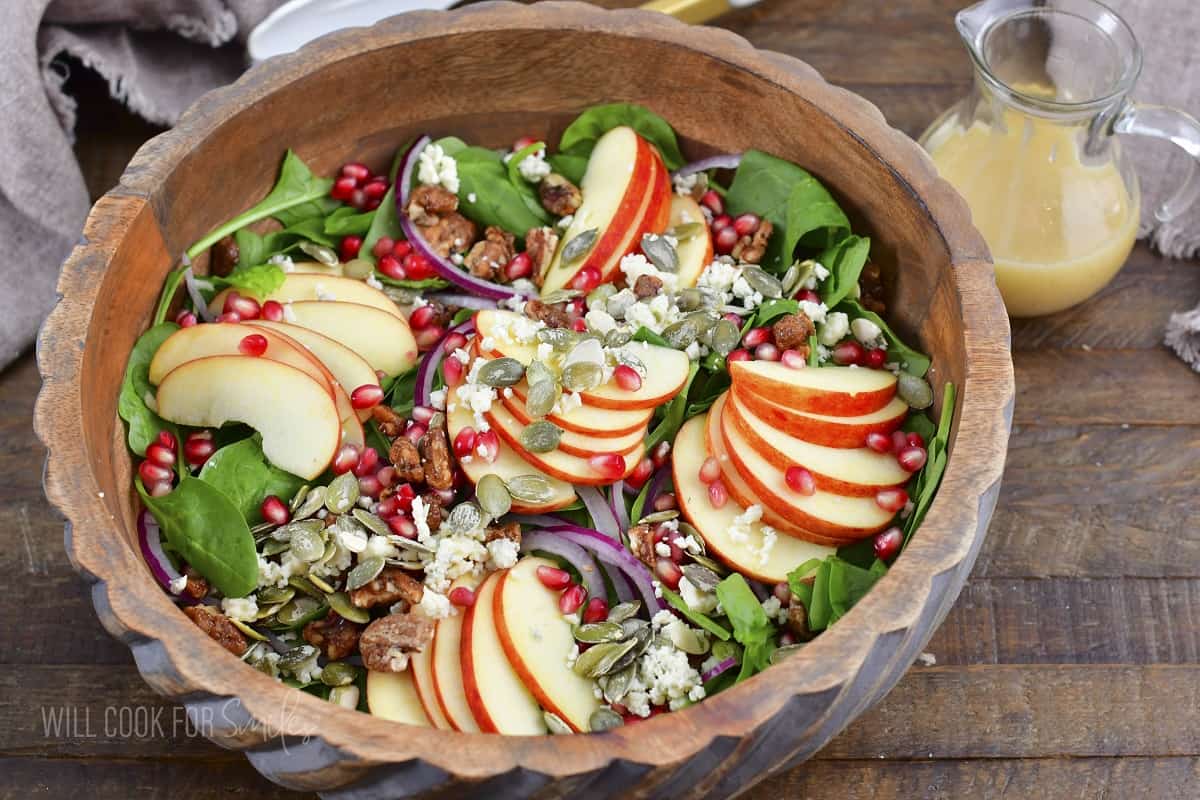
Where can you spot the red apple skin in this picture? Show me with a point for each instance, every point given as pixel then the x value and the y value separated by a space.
pixel 520 392
pixel 845 432
pixel 585 477
pixel 811 399
pixel 427 695
pixel 595 444
pixel 474 699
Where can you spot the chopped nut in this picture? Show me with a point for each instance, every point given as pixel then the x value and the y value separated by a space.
pixel 509 530
pixel 647 286
pixel 335 636
pixel 752 247
pixel 452 233
pixel 428 203
pixel 641 542
pixel 388 642
pixel 390 586
pixel 488 257
pixel 390 423
pixel 218 627
pixel 540 244
pixel 224 257
pixel 197 586
pixel 435 459
pixel 554 316
pixel 871 283
pixel 797 621
pixel 406 458
pixel 559 196
pixel 435 513
pixel 792 331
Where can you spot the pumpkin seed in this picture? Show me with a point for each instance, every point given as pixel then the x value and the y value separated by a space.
pixel 298 498
pixel 702 577
pixel 724 650
pixel 299 611
pixel 623 611
pixel 588 349
pixel 599 659
pixel 364 572
pixel 914 391
pixel 798 274
pixel 780 653
pixel 358 269
pixel 560 296
pixel 273 595
pixel 641 641
pixel 340 602
pixel 345 696
pixel 555 724
pixel 542 397
pixel 762 281
pixel 705 561
pixel 320 584
pixel 578 246
pixel 621 302
pixel 342 493
pixel 537 372
pixel 261 528
pixel 540 436
pixel 659 516
pixel 531 489
pixel 492 496
pixel 616 685
pixel 307 545
pixel 685 230
pixel 582 376
pixel 660 252
pixel 598 297
pixel 689 299
pixel 348 533
pixel 372 523
pixel 725 337
pixel 338 673
pixel 681 334
pixel 246 629
pixel 321 253
pixel 618 337
pixel 303 584
pixel 287 532
pixel 596 632
pixel 688 639
pixel 274 547
pixel 559 339
pixel 266 612
pixel 631 626
pixel 464 518
pixel 604 719
pixel 297 657
pixel 501 372
pixel 411 544
pixel 314 500
pixel 686 530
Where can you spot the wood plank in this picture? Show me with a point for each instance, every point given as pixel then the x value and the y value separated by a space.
pixel 25 778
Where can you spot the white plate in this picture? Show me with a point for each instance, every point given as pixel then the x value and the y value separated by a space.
pixel 300 21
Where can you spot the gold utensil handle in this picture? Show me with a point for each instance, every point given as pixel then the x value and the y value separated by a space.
pixel 692 11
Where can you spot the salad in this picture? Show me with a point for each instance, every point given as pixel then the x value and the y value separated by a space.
pixel 529 440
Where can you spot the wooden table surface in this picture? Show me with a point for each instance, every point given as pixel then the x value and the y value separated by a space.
pixel 1070 666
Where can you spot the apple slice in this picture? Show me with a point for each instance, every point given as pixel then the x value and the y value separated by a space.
pixel 392 696
pixel 838 391
pixel 382 340
pixel 298 286
pixel 538 639
pixel 716 525
pixel 224 339
pixel 823 429
pixel 498 699
pixel 313 268
pixel 602 423
pixel 858 472
pixel 296 415
pixel 556 463
pixel 579 444
pixel 449 696
pixel 346 366
pixel 420 666
pixel 506 466
pixel 696 252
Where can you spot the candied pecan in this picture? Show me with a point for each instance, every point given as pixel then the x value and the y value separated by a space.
pixel 540 244
pixel 797 621
pixel 871 283
pixel 435 459
pixel 387 642
pixel 641 542
pixel 219 627
pixel 554 316
pixel 791 332
pixel 406 458
pixel 752 247
pixel 390 586
pixel 489 256
pixel 335 636
pixel 435 513
pixel 223 257
pixel 428 203
pixel 452 233
pixel 509 530
pixel 647 286
pixel 390 423
pixel 559 196
pixel 197 586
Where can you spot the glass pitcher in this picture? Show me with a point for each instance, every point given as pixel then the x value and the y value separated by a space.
pixel 1033 151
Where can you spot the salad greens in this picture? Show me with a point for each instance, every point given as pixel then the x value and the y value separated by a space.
pixel 845 261
pixel 242 473
pixel 488 193
pixel 581 136
pixel 911 361
pixel 701 620
pixel 144 425
pixel 751 625
pixel 170 288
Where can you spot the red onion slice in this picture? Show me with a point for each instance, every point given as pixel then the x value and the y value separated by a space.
pixel 614 553
pixel 603 518
pixel 725 665
pixel 461 300
pixel 432 360
pixel 723 161
pixel 572 553
pixel 657 482
pixel 150 541
pixel 616 502
pixel 189 280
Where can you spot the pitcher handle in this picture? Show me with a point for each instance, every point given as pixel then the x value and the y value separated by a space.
pixel 1179 127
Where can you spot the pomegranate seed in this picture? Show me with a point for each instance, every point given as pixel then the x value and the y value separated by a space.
pixel 724 240
pixel 713 201
pixel 585 280
pixel 848 352
pixel 741 354
pixel 452 371
pixel 253 345
pixel 356 170
pixel 343 189
pixel 159 489
pixel 368 395
pixel 404 496
pixel 553 578
pixel 388 507
pixel 428 337
pixel 710 470
pixel 746 224
pixel 879 442
pixel 415 433
pixel 910 458
pixel 627 378
pixel 462 596
pixel 422 318
pixel 230 316
pixel 783 593
pixel 487 446
pixel 915 439
pixel 579 325
pixel 418 267
pixel 766 352
pixel 375 189
pixel 756 336
pixel 358 200
pixel 185 319
pixel 369 486
pixel 390 266
pixel 875 358
pixel 887 544
pixel 570 600
pixel 383 246
pixel 401 248
pixel 732 319
pixel 275 511
pixel 660 453
pixel 244 307
pixel 891 499
pixel 596 611
pixel 665 502
pixel 464 442
pixel 368 462
pixel 522 143
pixel 668 572
pixel 792 359
pixel 609 465
pixel 422 414
pixel 640 473
pixel 578 306
pixel 403 526
pixel 676 553
pixel 521 266
pixel 160 455
pixel 345 459
pixel 197 449
pixel 899 441
pixel 721 223
pixel 349 247
pixel 386 476
pixel 454 341
pixel 152 473
pixel 800 481
pixel 273 310
pixel 718 495
pixel 446 496
pixel 167 440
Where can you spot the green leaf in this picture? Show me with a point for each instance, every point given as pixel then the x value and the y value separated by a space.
pixel 579 139
pixel 644 334
pixel 818 609
pixel 911 361
pixel 919 422
pixel 255 249
pixel 773 309
pixel 296 185
pixel 529 195
pixel 209 533
pixel 170 287
pixel 375 437
pixel 674 416
pixel 639 502
pixel 814 358
pixel 570 167
pixel 144 425
pixel 386 222
pixel 242 473
pixel 837 583
pixel 814 218
pixel 345 221
pixel 925 485
pixel 259 281
pixel 427 284
pixel 487 196
pixel 845 261
pixel 847 584
pixel 319 208
pixel 695 617
pixel 400 393
pixel 751 625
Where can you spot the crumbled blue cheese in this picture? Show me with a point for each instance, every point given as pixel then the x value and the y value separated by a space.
pixel 697 599
pixel 742 290
pixel 775 610
pixel 636 265
pixel 434 605
pixel 718 279
pixel 566 221
pixel 379 547
pixel 455 555
pixel 288 314
pixel 244 609
pixel 814 311
pixel 435 168
pixel 180 583
pixel 516 329
pixel 502 553
pixel 471 198
pixel 685 184
pixel 769 537
pixel 815 277
pixel 600 321
pixel 477 397
pixel 866 331
pixel 566 403
pixel 668 677
pixel 374 283
pixel 437 399
pixel 534 167
pixel 341 561
pixel 285 263
pixel 835 328
pixel 739 529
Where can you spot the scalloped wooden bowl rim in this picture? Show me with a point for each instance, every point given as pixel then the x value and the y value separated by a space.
pixel 180 661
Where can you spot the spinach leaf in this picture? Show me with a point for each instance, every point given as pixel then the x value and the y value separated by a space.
pixel 845 261
pixel 345 221
pixel 836 585
pixel 814 357
pixel 319 208
pixel 144 425
pixel 242 473
pixel 639 502
pixel 751 625
pixel 919 422
pixel 911 361
pixel 400 393
pixel 644 334
pixel 533 200
pixel 386 222
pixel 296 186
pixel 580 137
pixel 695 617
pixel 673 417
pixel 209 532
pixel 426 284
pixel 451 145
pixel 170 287
pixel 255 249
pixel 925 485
pixel 772 309
pixel 487 196
pixel 375 438
pixel 570 167
pixel 813 217
pixel 258 281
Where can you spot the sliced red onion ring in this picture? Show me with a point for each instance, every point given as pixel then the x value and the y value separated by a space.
pixel 189 280
pixel 616 502
pixel 657 482
pixel 539 520
pixel 761 591
pixel 727 664
pixel 441 266
pixel 461 300
pixel 603 518
pixel 614 553
pixel 150 541
pixel 432 360
pixel 723 161
pixel 572 553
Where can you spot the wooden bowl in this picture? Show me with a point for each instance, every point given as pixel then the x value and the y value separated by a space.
pixel 490 73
